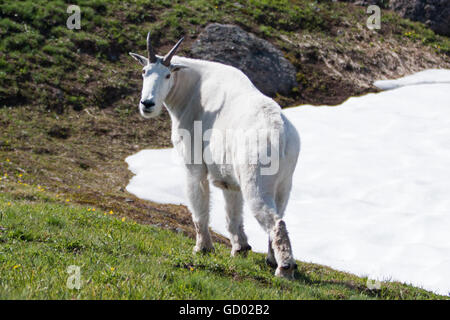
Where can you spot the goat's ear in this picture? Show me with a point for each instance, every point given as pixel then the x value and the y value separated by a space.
pixel 141 59
pixel 176 67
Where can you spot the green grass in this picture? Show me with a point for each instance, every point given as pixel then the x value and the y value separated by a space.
pixel 42 235
pixel 417 32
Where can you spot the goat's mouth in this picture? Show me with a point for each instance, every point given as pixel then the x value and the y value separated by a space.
pixel 149 113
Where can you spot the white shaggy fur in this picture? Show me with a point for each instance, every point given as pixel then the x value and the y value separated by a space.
pixel 222 97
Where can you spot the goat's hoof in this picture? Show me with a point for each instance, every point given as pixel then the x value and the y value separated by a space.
pixel 286 270
pixel 241 251
pixel 288 266
pixel 203 250
pixel 271 262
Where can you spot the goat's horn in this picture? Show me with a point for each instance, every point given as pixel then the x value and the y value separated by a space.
pixel 168 57
pixel 151 53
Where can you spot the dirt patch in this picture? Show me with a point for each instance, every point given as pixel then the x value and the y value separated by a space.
pixel 59 132
pixel 330 70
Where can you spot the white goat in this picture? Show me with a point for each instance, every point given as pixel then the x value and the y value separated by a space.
pixel 221 98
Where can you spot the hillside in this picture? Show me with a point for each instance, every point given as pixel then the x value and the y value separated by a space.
pixel 43 63
pixel 42 234
pixel 68 98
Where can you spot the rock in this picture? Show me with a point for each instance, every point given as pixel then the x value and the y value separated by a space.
pixel 264 64
pixel 434 13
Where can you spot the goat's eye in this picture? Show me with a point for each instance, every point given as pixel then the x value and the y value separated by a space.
pixel 143 71
pixel 168 76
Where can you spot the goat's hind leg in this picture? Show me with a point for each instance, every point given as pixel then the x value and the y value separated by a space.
pixel 264 209
pixel 235 222
pixel 279 235
pixel 286 265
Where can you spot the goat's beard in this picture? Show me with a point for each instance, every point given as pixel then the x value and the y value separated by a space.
pixel 150 115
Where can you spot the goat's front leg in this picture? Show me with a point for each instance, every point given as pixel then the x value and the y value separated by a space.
pixel 198 195
pixel 270 260
pixel 235 223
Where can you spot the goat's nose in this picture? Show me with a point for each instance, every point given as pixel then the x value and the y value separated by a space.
pixel 148 104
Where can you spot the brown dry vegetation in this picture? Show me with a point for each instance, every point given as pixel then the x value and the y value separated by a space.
pixel 80 157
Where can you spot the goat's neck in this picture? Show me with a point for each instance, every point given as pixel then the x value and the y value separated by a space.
pixel 183 91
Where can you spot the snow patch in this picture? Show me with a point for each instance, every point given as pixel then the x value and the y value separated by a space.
pixel 371 192
pixel 431 76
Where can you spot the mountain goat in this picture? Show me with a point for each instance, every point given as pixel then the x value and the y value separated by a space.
pixel 206 99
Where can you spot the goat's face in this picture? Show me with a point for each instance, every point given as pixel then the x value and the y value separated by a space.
pixel 157 75
pixel 156 86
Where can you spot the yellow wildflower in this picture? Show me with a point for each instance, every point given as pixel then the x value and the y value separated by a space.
pixel 111 212
pixel 123 219
pixel 112 268
pixel 16 266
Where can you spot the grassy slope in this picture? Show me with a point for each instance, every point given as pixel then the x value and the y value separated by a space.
pixel 42 234
pixel 69 119
pixel 44 63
